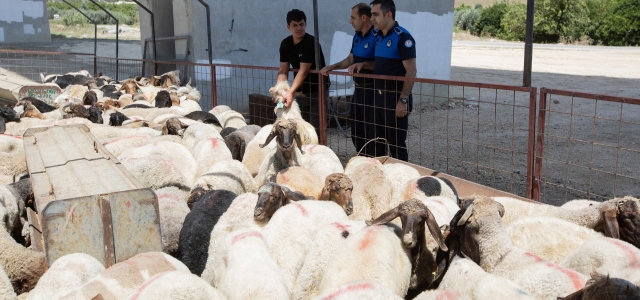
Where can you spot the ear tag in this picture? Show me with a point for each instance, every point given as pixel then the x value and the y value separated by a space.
pixel 139 91
pixel 280 105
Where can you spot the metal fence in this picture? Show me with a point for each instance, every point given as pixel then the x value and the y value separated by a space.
pixel 561 146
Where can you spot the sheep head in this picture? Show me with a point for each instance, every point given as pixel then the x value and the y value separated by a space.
pixel 95 115
pixel 77 110
pixel 90 98
pixel 236 144
pixel 129 86
pixel 279 90
pixel 195 196
pixel 174 126
pixel 163 99
pixel 338 188
pixel 622 219
pixel 271 197
pixel 286 133
pixel 605 288
pixel 7 114
pixel 117 118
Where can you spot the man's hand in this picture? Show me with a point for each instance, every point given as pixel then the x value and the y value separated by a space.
pixel 401 109
pixel 288 98
pixel 326 69
pixel 355 68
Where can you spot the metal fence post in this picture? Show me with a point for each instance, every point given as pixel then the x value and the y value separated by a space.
pixel 531 143
pixel 153 36
pixel 117 32
pixel 95 37
pixel 542 114
pixel 214 97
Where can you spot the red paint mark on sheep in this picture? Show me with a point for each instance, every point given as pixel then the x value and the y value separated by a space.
pixel 126 138
pixel 71 212
pixel 447 295
pixel 369 237
pixel 410 190
pixel 141 289
pixel 634 262
pixel 169 196
pixel 246 235
pixel 214 143
pixel 578 283
pixel 351 288
pixel 13 136
pixel 303 211
pixel 340 227
pixel 128 204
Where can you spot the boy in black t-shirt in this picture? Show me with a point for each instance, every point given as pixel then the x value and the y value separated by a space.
pixel 299 51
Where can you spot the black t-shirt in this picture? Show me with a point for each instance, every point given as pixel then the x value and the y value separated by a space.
pixel 304 51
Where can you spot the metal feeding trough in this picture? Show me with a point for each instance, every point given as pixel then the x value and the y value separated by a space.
pixel 85 200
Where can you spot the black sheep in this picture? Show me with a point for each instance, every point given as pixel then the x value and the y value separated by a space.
pixel 203 117
pixel 42 106
pixel 7 114
pixel 117 118
pixel 163 99
pixel 67 80
pixel 95 115
pixel 227 131
pixel 193 245
pixel 90 98
pixel 110 91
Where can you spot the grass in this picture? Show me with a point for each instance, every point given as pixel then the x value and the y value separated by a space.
pixel 82 31
pixel 484 3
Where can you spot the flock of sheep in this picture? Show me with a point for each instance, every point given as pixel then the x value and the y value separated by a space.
pixel 240 216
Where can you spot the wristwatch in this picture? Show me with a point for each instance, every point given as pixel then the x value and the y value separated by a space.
pixel 403 100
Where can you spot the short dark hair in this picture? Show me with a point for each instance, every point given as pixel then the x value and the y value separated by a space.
pixel 363 9
pixel 296 15
pixel 386 6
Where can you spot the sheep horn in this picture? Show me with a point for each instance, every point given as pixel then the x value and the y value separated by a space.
pixel 435 229
pixel 385 217
pixel 467 214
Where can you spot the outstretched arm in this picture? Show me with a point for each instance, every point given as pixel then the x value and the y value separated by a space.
pixel 343 64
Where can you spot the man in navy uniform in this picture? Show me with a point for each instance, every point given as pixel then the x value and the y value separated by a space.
pixel 395 55
pixel 362 50
pixel 298 50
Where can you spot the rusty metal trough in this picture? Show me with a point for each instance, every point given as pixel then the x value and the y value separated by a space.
pixel 85 200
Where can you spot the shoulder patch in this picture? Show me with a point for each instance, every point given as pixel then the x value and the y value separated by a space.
pixel 398 31
pixel 408 43
pixel 388 43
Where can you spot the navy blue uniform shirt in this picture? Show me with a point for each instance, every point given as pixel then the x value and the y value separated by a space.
pixel 397 45
pixel 363 49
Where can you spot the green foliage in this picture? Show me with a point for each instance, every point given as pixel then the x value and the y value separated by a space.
pixel 555 19
pixel 490 20
pixel 127 14
pixel 622 26
pixel 465 17
pixel 513 22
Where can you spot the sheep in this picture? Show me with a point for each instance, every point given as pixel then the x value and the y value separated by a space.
pixel 23 266
pixel 156 172
pixel 13 198
pixel 174 126
pixel 302 180
pixel 606 256
pixel 110 91
pixel 249 271
pixel 122 279
pixel 486 242
pixel 198 224
pixel 414 214
pixel 359 290
pixel 326 243
pixel 231 118
pixel 42 106
pixel 321 160
pixel 90 98
pixel 76 91
pixel 374 253
pixel 219 109
pixel 109 132
pixel 441 294
pixel 189 106
pixel 429 186
pixel 166 80
pixel 7 114
pixel 95 115
pixel 371 188
pixel 163 99
pixel 208 152
pixel 254 154
pixel 197 132
pixel 550 238
pixel 600 287
pixel 271 197
pixel 176 285
pixel 12 155
pixel 284 156
pixel 67 273
pixel 227 131
pixel 237 140
pixel 399 175
pixel 338 188
pixel 616 218
pixel 117 118
pixel 172 210
pixel 240 215
pixel 579 204
pixel 68 99
pixel 189 92
pixel 307 131
pixel 203 117
pixel 178 153
pixel 230 175
pixel 290 232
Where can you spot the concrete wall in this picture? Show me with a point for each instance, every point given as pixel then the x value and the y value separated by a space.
pixel 24 21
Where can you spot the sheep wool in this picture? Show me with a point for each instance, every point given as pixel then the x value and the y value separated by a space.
pixel 374 253
pixel 251 273
pixel 399 175
pixel 231 118
pixel 371 188
pixel 67 273
pixel 172 207
pixel 198 132
pixel 301 180
pixel 326 243
pixel 253 154
pixel 156 172
pixel 321 160
pixel 228 175
pixel 360 290
pixel 190 105
pixel 442 294
pixel 23 266
pixel 179 154
pixel 219 109
pixel 176 285
pixel 6 290
pixel 119 144
pixel 208 152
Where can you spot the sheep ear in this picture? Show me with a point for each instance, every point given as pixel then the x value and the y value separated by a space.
pixel 385 217
pixel 165 130
pixel 430 220
pixel 577 295
pixel 500 209
pixel 242 148
pixel 326 193
pixel 294 195
pixel 470 245
pixel 299 142
pixel 467 214
pixel 270 137
pixel 611 228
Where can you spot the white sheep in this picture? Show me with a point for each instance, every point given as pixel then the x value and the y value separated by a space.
pixel 219 109
pixel 189 105
pixel 321 160
pixel 307 132
pixel 12 155
pixel 606 256
pixel 301 180
pixel 156 172
pixel 68 272
pixel 254 154
pixel 374 253
pixel 231 118
pixel 286 154
pixel 198 132
pixel 326 243
pixel 108 132
pixel 208 152
pixel 291 230
pixel 228 175
pixel 371 188
pixel 6 290
pixel 489 245
pixel 441 294
pixel 190 93
pixel 359 290
pixel 23 266
pixel 579 204
pixel 13 197
pixel 250 272
pixel 399 175
pixel 176 285
pixel 118 145
pixel 172 208
pixel 550 238
pixel 179 154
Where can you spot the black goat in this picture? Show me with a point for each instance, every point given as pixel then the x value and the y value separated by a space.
pixel 163 99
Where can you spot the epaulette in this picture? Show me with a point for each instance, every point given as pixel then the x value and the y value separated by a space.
pixel 398 30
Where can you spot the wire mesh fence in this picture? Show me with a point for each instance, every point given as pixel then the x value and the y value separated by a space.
pixel 31 64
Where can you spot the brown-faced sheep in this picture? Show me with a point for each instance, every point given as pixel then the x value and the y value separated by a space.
pixel 285 155
pixel 601 287
pixel 89 98
pixel 174 126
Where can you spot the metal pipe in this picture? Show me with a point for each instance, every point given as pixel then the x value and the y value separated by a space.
pixel 153 37
pixel 95 35
pixel 528 45
pixel 210 50
pixel 316 34
pixel 322 113
pixel 531 143
pixel 117 36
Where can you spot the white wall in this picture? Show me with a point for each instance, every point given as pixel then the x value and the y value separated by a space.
pixel 24 21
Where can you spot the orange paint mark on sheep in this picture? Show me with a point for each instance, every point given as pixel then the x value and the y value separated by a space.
pixel 13 136
pixel 577 281
pixel 246 235
pixel 302 210
pixel 125 138
pixel 369 237
pixel 410 190
pixel 169 196
pixel 341 227
pixel 634 262
pixel 351 288
pixel 141 288
pixel 72 214
pixel 214 143
pixel 447 295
